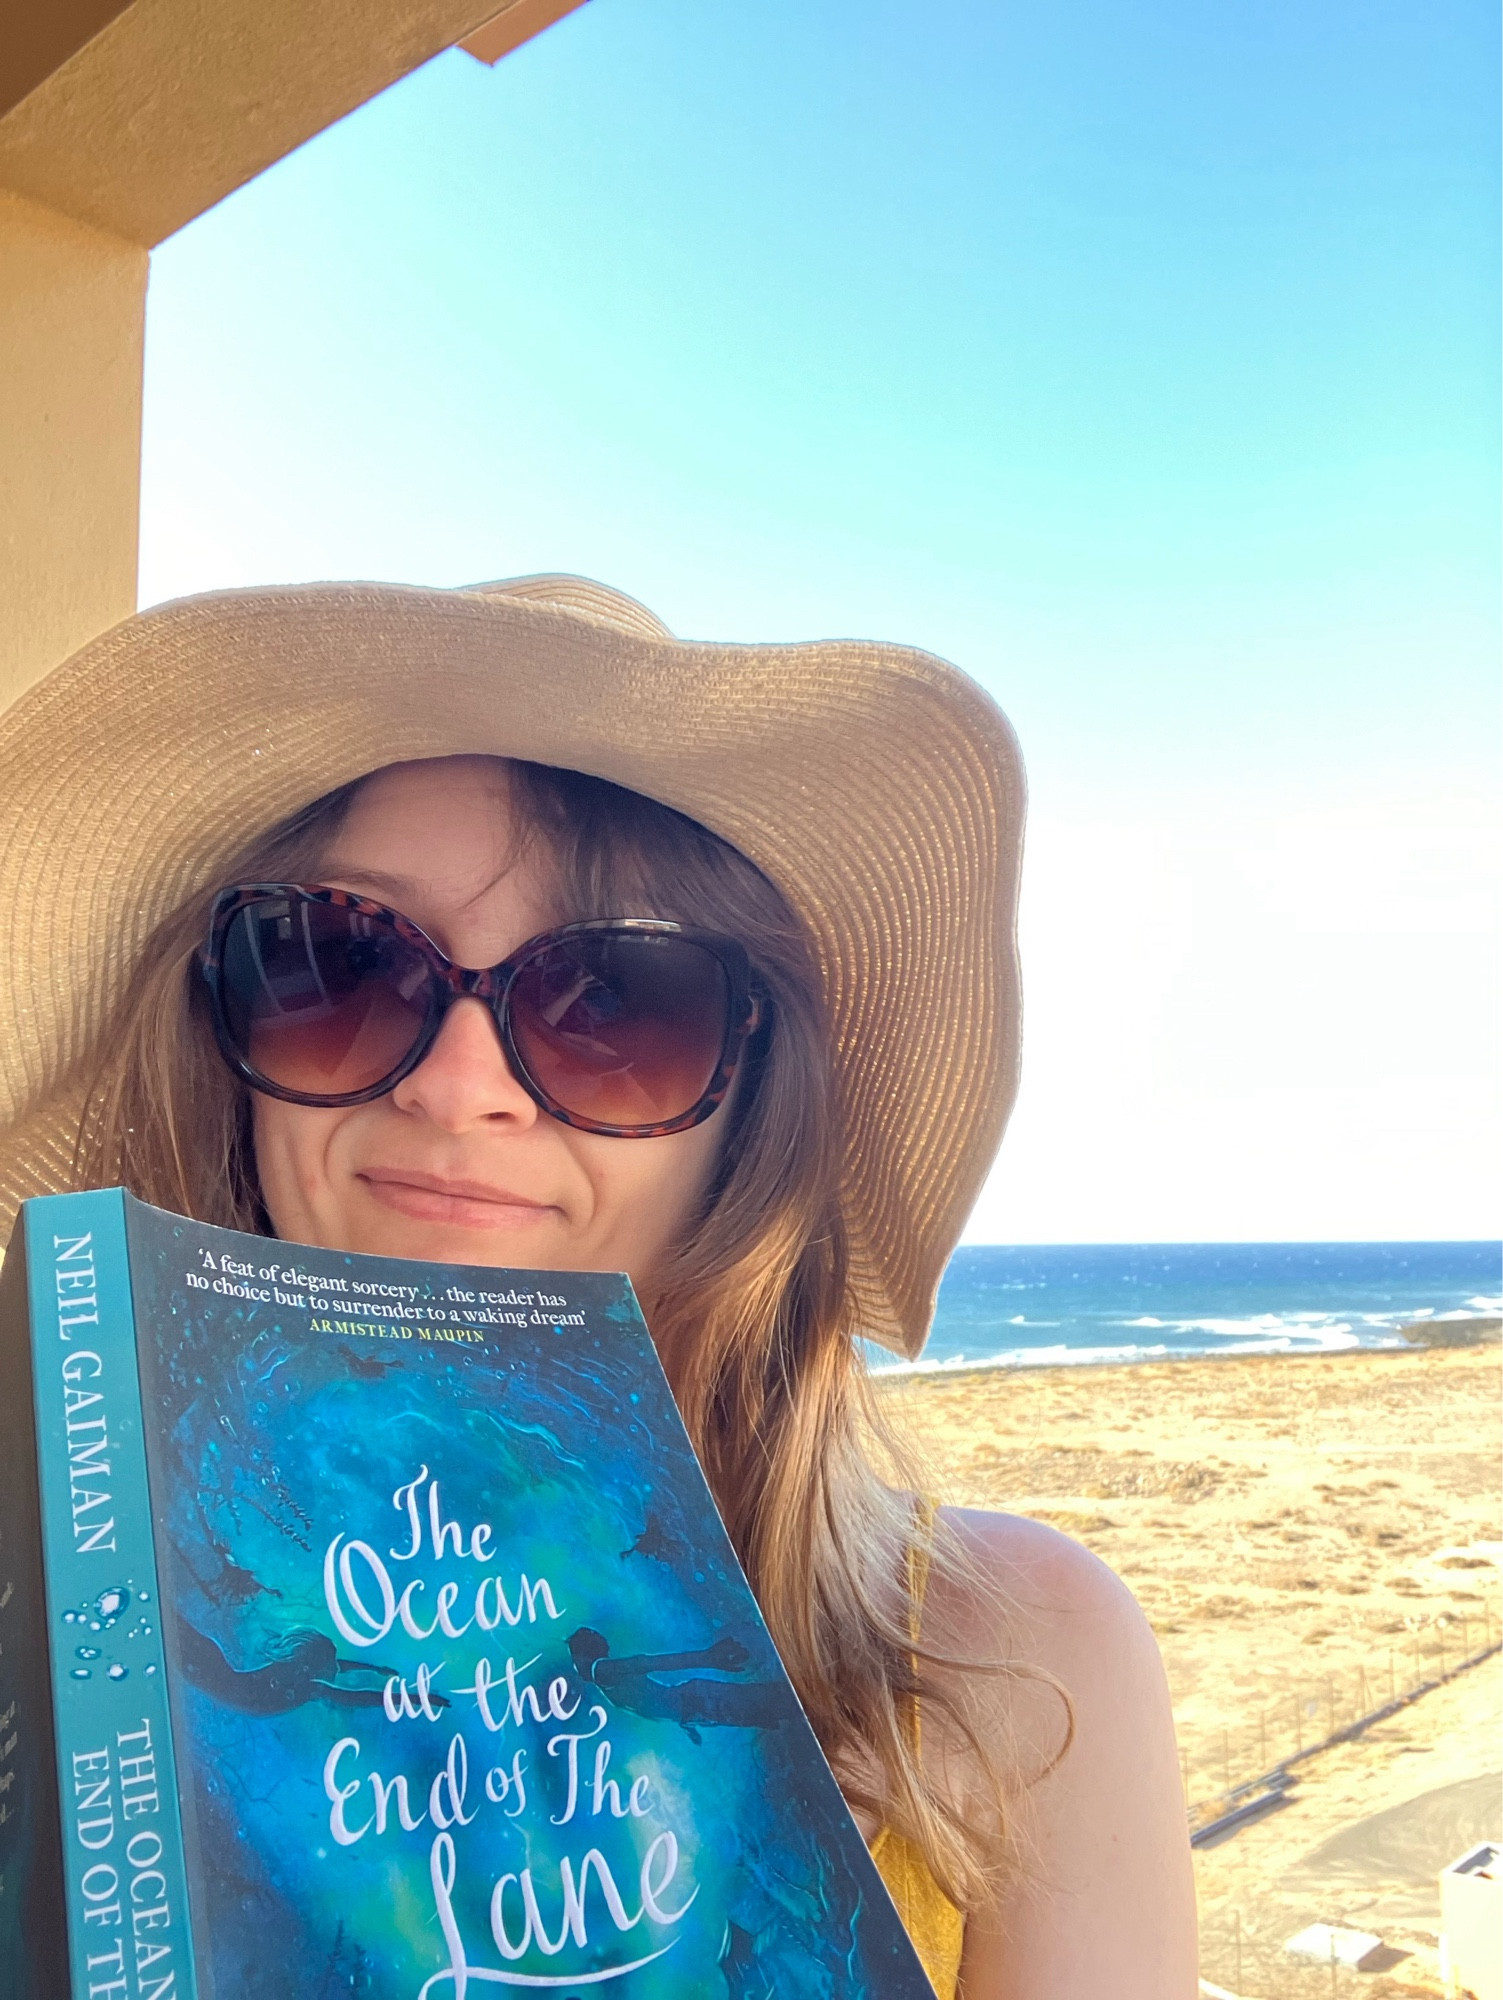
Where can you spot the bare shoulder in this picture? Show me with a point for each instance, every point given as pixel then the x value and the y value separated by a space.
pixel 1103 1895
pixel 1055 1577
pixel 1027 1594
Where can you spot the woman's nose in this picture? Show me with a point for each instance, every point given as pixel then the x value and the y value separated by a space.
pixel 465 1079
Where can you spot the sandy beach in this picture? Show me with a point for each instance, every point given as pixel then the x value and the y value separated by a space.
pixel 1310 1537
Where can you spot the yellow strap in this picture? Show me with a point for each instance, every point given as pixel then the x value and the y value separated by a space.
pixel 935 1925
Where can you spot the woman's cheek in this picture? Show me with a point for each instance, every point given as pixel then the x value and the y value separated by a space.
pixel 292 1143
pixel 649 1193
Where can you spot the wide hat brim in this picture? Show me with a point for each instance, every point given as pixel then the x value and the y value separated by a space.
pixel 877 786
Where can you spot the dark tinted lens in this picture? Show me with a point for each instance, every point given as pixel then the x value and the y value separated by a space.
pixel 319 999
pixel 622 1029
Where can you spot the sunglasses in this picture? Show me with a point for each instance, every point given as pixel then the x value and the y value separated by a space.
pixel 627 1026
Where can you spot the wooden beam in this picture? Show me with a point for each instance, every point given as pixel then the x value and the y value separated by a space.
pixel 40 39
pixel 173 104
pixel 516 23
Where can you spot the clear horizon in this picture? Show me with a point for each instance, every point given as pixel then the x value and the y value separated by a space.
pixel 1140 360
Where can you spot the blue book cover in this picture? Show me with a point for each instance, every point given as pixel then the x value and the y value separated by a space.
pixel 383 1638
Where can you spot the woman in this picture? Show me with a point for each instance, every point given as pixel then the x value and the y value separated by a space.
pixel 824 1056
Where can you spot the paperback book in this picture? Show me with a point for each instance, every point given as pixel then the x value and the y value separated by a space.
pixel 367 1629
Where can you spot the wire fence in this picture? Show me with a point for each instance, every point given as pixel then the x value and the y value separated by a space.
pixel 1245 1768
pixel 1243 1959
pixel 1249 1771
pixel 1258 1968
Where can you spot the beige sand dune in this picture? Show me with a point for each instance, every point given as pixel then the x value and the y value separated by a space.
pixel 1306 1534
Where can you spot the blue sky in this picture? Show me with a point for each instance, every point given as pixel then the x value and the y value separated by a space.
pixel 1142 358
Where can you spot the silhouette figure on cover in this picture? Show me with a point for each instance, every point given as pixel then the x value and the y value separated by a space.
pixel 633 1682
pixel 307 1668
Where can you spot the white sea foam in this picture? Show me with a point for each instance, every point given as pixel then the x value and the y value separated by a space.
pixel 973 1330
pixel 1236 1328
pixel 1022 1357
pixel 1264 1333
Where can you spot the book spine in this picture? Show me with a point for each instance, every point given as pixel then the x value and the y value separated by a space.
pixel 124 1870
pixel 31 1876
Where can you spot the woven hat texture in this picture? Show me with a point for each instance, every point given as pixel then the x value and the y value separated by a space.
pixel 878 786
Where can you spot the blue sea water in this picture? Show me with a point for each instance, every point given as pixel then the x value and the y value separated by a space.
pixel 1018 1306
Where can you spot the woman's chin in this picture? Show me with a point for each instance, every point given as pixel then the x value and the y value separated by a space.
pixel 525 1237
pixel 528 1247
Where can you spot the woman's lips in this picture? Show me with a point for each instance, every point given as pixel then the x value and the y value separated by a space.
pixel 463 1204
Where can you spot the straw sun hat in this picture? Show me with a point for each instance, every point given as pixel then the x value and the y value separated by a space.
pixel 878 787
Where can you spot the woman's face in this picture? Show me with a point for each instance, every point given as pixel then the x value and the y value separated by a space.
pixel 458 1164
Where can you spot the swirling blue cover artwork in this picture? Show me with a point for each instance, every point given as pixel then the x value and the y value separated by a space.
pixel 469 1691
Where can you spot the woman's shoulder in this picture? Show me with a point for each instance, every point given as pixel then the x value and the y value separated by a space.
pixel 1081 1693
pixel 1081 1716
pixel 1023 1591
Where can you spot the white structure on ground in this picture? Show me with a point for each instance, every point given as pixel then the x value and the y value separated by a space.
pixel 1471 1923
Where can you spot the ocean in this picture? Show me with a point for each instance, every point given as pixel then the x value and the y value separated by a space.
pixel 1017 1306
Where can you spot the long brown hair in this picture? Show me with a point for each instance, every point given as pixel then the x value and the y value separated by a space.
pixel 754 1318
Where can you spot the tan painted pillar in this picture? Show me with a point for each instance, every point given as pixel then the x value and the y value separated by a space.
pixel 72 318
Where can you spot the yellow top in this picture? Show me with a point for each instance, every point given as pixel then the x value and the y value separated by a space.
pixel 929 1917
pixel 936 1927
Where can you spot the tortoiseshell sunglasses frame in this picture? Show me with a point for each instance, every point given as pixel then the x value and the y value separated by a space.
pixel 491 985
